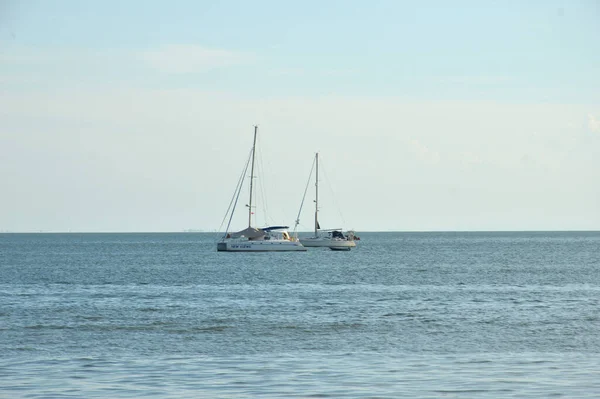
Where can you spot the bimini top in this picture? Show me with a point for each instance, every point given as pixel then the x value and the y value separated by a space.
pixel 272 228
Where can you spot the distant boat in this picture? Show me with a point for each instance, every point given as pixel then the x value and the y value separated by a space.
pixel 331 238
pixel 253 239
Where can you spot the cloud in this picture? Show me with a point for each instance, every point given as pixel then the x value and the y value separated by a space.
pixel 483 80
pixel 189 58
pixel 20 56
pixel 296 72
pixel 423 152
pixel 27 64
pixel 593 123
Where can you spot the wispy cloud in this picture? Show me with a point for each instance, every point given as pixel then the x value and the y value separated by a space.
pixel 33 56
pixel 24 64
pixel 312 72
pixel 478 80
pixel 189 58
pixel 423 152
pixel 593 123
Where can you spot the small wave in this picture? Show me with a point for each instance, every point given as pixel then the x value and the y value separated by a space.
pixel 147 327
pixel 208 329
pixel 346 326
pixel 25 349
pixel 400 314
pixel 47 327
pixel 527 362
pixel 459 391
pixel 162 323
pixel 475 361
pixel 90 318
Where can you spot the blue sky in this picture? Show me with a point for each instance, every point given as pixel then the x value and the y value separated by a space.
pixel 468 115
pixel 539 51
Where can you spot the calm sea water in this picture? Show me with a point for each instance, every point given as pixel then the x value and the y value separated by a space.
pixel 415 315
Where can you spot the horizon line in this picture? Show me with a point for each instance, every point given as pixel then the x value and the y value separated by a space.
pixel 199 231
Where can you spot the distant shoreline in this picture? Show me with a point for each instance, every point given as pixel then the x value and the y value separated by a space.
pixel 303 232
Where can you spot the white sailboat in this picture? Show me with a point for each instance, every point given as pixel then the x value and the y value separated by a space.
pixel 252 239
pixel 331 238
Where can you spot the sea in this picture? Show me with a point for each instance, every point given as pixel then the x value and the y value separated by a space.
pixel 403 315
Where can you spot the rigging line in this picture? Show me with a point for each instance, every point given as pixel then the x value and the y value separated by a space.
pixel 304 196
pixel 236 194
pixel 333 195
pixel 262 184
pixel 237 197
pixel 266 209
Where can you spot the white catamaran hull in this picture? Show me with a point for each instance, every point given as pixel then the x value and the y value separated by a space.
pixel 252 239
pixel 327 242
pixel 260 246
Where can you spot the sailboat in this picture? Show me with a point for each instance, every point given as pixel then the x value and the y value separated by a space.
pixel 331 238
pixel 253 239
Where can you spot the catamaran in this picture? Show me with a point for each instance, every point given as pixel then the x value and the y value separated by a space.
pixel 332 238
pixel 253 239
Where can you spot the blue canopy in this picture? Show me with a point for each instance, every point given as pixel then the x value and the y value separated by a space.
pixel 275 228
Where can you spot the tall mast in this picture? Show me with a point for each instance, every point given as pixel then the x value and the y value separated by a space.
pixel 252 178
pixel 316 193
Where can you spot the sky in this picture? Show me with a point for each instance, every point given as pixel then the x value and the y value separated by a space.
pixel 427 115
